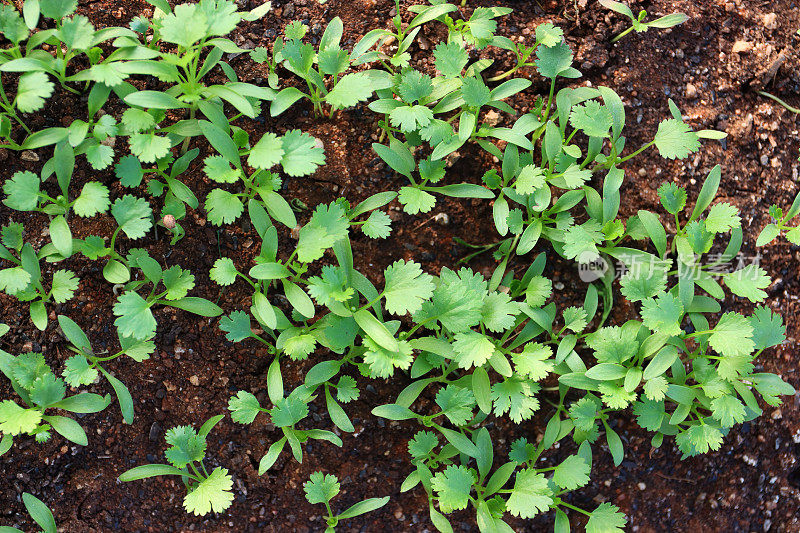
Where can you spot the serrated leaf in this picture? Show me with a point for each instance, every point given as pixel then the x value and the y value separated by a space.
pixel 33 89
pixel 675 139
pixel 211 494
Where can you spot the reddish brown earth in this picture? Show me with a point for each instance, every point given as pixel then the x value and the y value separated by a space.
pixel 751 484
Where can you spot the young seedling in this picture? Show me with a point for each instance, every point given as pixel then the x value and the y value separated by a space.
pixel 326 82
pixel 23 280
pixel 82 368
pixel 192 29
pixel 297 153
pixel 39 391
pixel 637 22
pixel 403 36
pixel 286 414
pixel 780 222
pixel 322 488
pixel 163 182
pixel 186 455
pixel 73 36
pixel 39 513
pixel 134 313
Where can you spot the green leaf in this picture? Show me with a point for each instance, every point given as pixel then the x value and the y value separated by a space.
pixel 549 35
pixel 301 154
pixel 529 180
pixel 244 407
pixel 187 25
pixel 575 319
pixel 766 236
pixel 472 349
pixel 146 471
pixel 327 226
pixel 728 410
pixel 580 241
pixel 64 285
pixel 393 412
pixel 382 361
pixel 573 472
pixel 137 120
pixel 321 488
pixel 149 147
pixel 516 397
pixel 534 361
pixel 22 191
pixel 722 217
pixel 223 272
pixel 456 403
pixel 134 316
pixel 530 496
pixel 267 152
pixel 39 512
pixel 732 336
pixel 61 235
pixel 92 200
pixel 768 328
pixel 33 89
pixel 606 519
pixel 186 446
pixel 214 492
pixel 68 428
pixel 552 61
pixel 416 200
pixel 78 372
pixel 673 198
pixel 453 487
pixel 236 326
pixel 593 118
pixel 129 171
pixel 406 288
pixel 475 93
pixel 223 207
pixel 663 314
pixel 133 215
pixel 219 169
pixel 351 89
pixel 377 225
pixel 16 420
pixel 748 282
pixel 450 59
pixel 674 139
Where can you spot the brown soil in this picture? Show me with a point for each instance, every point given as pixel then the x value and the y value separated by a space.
pixel 751 484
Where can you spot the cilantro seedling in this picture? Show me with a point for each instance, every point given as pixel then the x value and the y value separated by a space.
pixel 82 368
pixel 191 28
pixel 286 413
pixel 323 70
pixel 164 181
pixel 206 492
pixel 322 488
pixel 134 313
pixel 39 390
pixel 297 154
pixel 780 222
pixel 23 280
pixel 637 22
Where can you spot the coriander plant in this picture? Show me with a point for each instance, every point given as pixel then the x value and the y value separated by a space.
pixel 322 488
pixel 39 390
pixel 186 455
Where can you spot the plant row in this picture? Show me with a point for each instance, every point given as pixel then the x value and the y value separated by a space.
pixel 482 349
